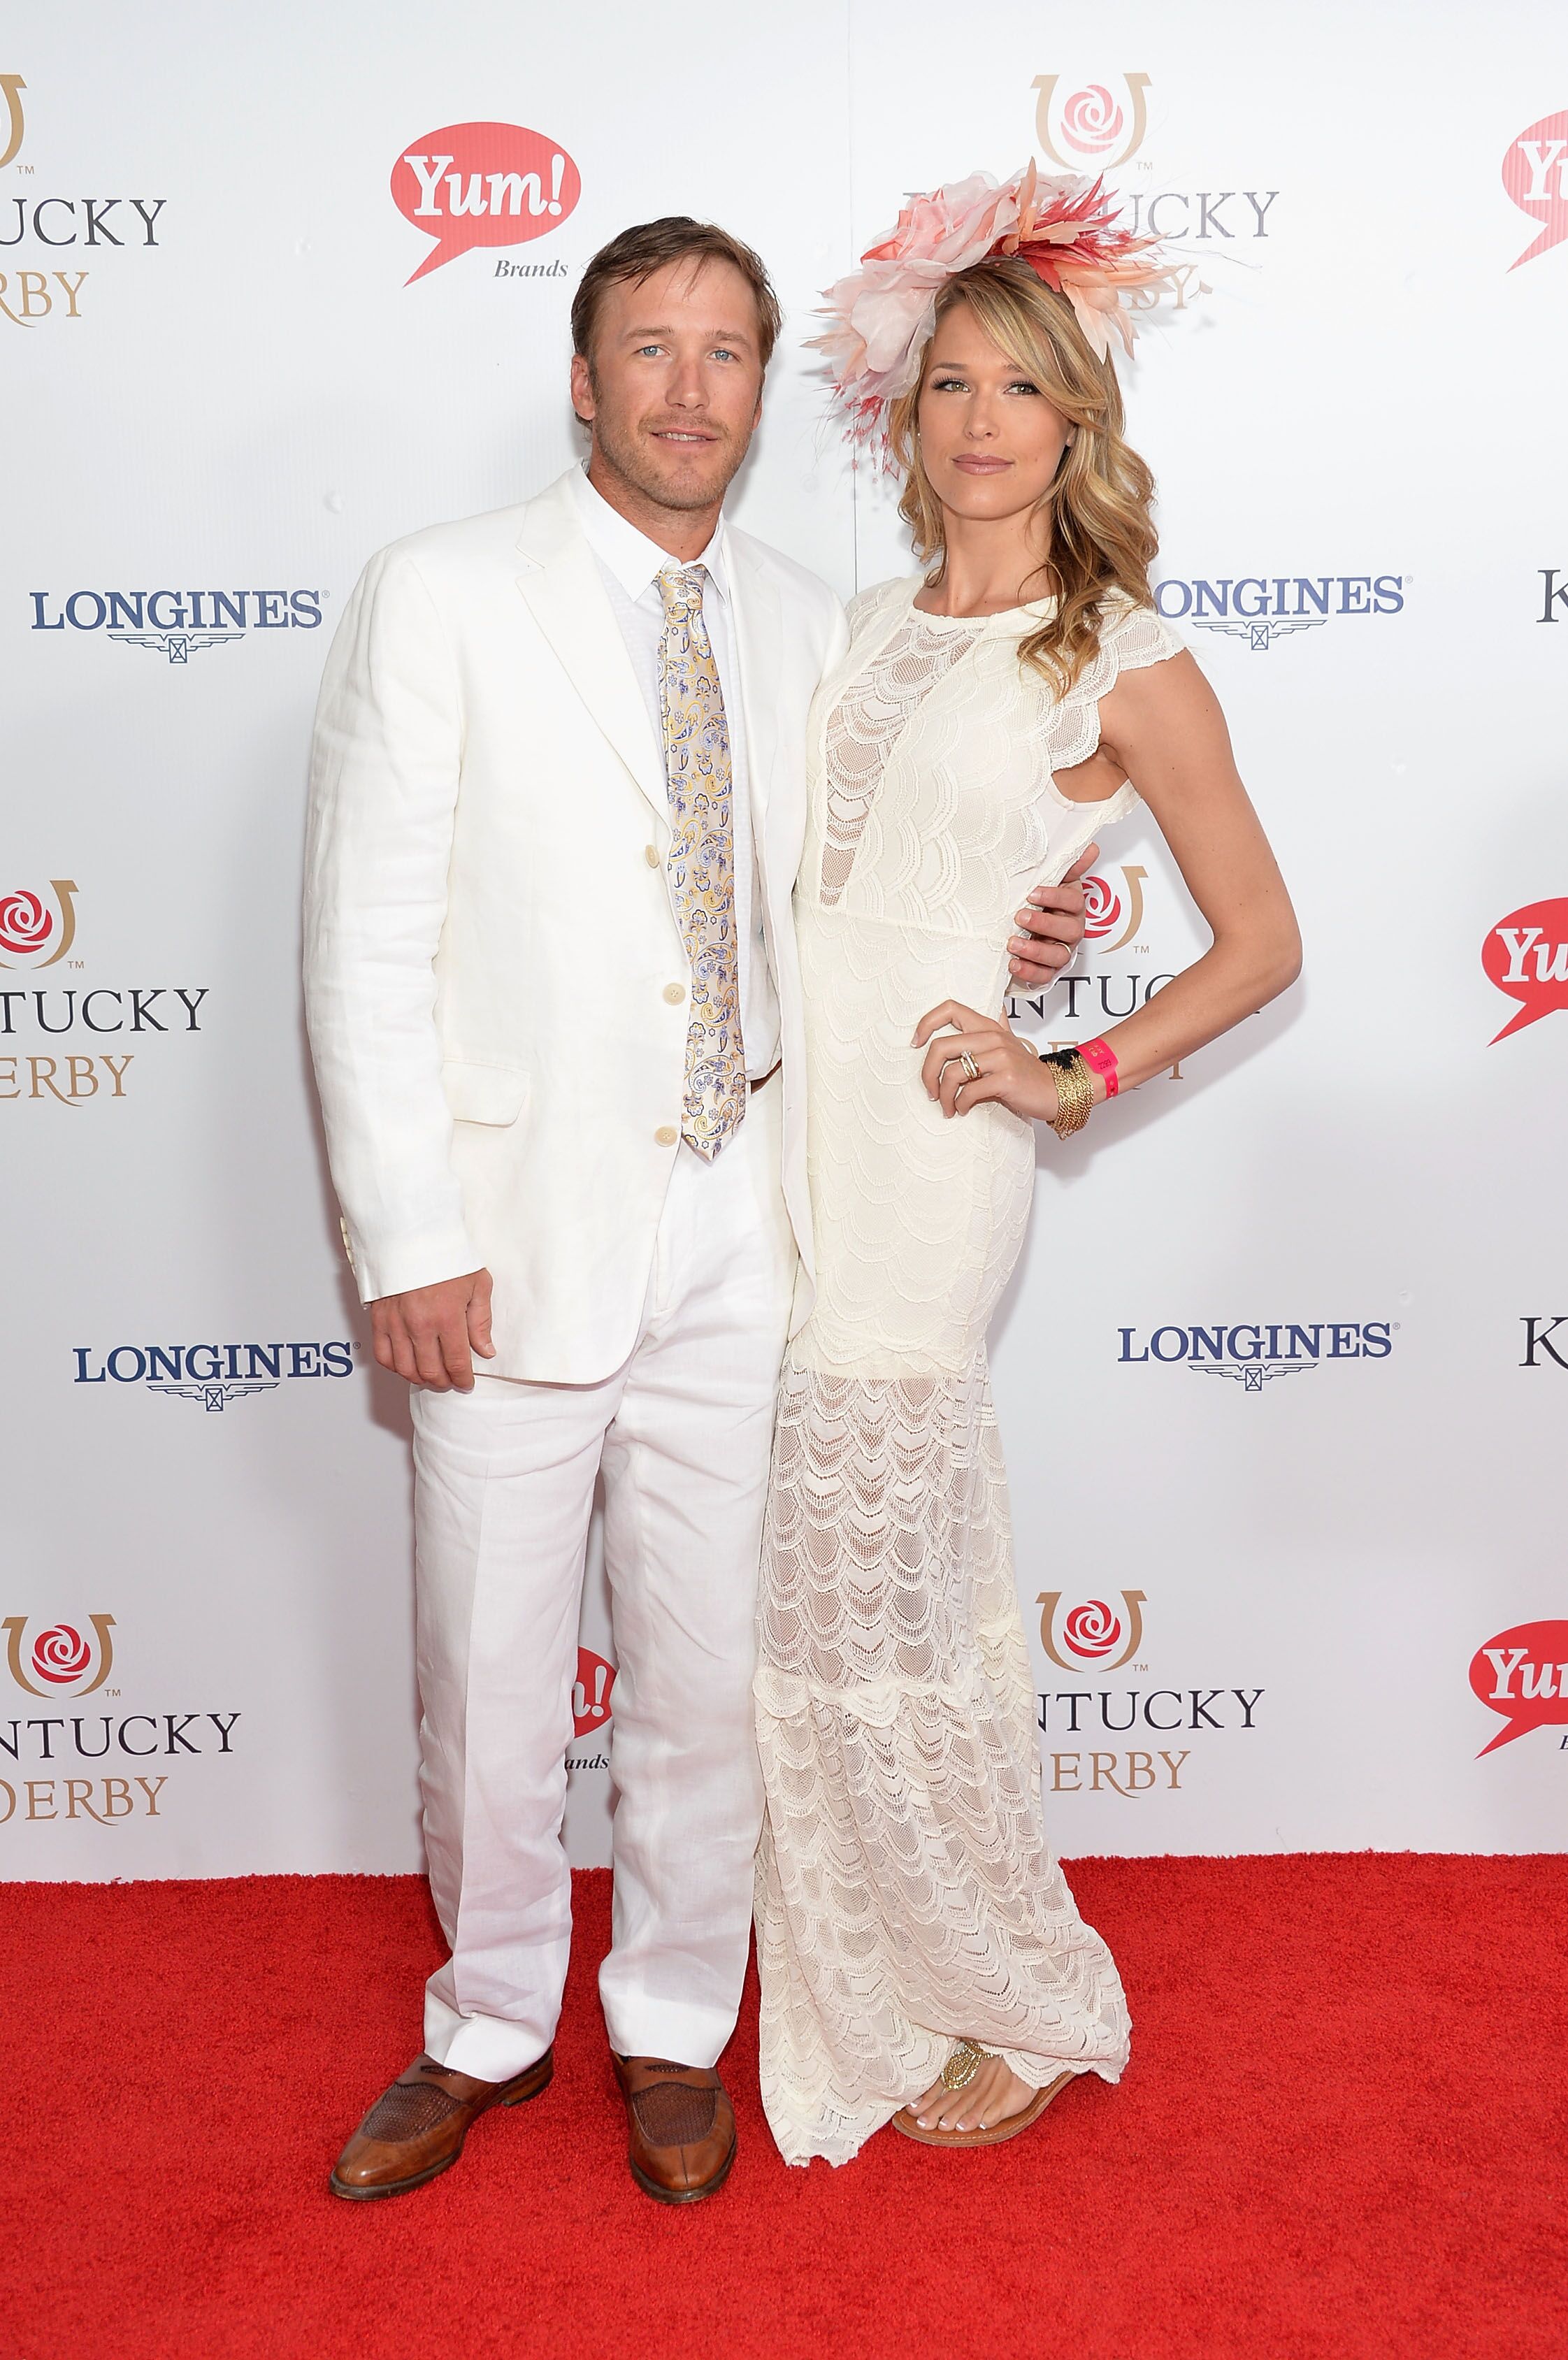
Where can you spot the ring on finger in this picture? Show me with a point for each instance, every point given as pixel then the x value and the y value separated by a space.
pixel 970 1068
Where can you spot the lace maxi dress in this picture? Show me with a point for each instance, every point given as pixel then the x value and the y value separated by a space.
pixel 905 1893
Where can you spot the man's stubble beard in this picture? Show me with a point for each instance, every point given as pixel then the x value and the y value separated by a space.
pixel 631 462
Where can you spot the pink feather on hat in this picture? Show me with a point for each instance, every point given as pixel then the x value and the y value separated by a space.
pixel 882 314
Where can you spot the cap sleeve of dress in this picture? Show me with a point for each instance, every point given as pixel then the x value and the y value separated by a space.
pixel 1137 637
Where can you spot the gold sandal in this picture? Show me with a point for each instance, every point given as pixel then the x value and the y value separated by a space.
pixel 956 2075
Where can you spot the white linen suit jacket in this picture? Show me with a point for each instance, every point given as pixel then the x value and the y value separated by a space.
pixel 489 940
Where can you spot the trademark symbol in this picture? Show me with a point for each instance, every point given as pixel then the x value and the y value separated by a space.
pixel 24 168
pixel 1139 1667
pixel 1397 1324
pixel 77 964
pixel 110 1691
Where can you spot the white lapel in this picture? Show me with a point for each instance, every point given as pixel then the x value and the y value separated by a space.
pixel 777 816
pixel 561 583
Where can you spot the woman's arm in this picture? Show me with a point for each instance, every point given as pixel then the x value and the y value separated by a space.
pixel 1163 727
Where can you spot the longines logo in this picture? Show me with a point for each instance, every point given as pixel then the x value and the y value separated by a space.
pixel 1525 956
pixel 37 930
pixel 1262 608
pixel 1092 1637
pixel 484 184
pixel 590 1708
pixel 212 1374
pixel 1522 1674
pixel 58 1663
pixel 1253 1354
pixel 1535 174
pixel 177 624
pixel 38 228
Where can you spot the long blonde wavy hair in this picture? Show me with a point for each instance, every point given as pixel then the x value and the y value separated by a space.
pixel 1101 535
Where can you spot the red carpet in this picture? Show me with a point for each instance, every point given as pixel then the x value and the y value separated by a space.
pixel 1343 2133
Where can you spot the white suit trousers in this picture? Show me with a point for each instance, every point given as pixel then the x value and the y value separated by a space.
pixel 504 1486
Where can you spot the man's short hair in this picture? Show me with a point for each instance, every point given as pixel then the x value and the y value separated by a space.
pixel 648 246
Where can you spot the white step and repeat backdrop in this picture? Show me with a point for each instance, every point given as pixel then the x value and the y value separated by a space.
pixel 1317 1599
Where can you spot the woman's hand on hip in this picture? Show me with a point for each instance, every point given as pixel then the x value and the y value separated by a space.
pixel 982 1059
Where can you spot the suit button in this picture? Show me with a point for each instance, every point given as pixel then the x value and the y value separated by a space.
pixel 666 1135
pixel 651 854
pixel 675 993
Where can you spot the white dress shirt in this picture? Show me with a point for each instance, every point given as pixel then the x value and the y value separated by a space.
pixel 630 566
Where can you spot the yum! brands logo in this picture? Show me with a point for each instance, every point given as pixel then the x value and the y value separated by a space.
pixel 484 184
pixel 1535 174
pixel 32 934
pixel 1525 956
pixel 590 1708
pixel 62 1658
pixel 1523 1675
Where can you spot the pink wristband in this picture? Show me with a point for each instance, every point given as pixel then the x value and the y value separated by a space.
pixel 1101 1059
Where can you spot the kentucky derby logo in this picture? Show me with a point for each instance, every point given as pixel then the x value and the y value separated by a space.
pixel 1523 1675
pixel 60 1657
pixel 590 1693
pixel 12 85
pixel 482 184
pixel 1105 909
pixel 31 933
pixel 1091 127
pixel 1259 608
pixel 1535 174
pixel 1526 954
pixel 1092 1632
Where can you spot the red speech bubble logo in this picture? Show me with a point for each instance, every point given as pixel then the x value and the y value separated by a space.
pixel 1535 174
pixel 1526 954
pixel 1523 1675
pixel 591 1707
pixel 483 184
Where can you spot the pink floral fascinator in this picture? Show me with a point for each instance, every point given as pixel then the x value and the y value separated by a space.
pixel 1064 229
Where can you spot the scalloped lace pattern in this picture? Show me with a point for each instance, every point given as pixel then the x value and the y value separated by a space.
pixel 905 1892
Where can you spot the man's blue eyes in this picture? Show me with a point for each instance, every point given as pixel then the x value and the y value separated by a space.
pixel 720 352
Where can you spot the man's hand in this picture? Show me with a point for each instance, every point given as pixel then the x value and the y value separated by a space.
pixel 426 1335
pixel 1053 921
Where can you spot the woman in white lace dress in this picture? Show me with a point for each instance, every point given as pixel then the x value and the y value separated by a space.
pixel 921 1959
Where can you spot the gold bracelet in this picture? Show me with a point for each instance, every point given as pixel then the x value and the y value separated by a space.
pixel 1075 1091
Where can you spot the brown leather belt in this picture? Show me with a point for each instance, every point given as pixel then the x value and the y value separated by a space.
pixel 768 1077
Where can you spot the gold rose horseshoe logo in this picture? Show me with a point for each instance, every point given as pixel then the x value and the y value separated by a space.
pixel 1091 121
pixel 1092 1630
pixel 59 1655
pixel 13 85
pixel 27 927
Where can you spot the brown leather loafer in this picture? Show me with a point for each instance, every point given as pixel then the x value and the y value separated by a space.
pixel 682 2125
pixel 416 2128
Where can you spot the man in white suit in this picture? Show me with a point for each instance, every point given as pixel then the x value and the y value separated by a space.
pixel 556 745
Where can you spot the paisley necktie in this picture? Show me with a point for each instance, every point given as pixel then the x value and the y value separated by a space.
pixel 701 865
